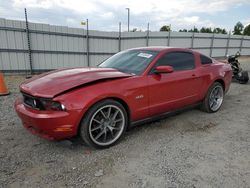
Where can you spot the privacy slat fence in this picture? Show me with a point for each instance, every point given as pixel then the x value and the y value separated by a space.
pixel 54 47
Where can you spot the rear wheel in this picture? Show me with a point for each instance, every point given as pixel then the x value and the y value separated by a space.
pixel 243 79
pixel 214 98
pixel 104 124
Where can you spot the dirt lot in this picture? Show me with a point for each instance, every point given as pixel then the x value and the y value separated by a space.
pixel 192 149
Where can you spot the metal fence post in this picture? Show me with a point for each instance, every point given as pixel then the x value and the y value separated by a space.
pixel 241 42
pixel 192 40
pixel 147 37
pixel 228 40
pixel 169 35
pixel 119 38
pixel 211 45
pixel 28 41
pixel 87 43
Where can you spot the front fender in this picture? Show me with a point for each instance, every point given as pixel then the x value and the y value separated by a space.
pixel 83 98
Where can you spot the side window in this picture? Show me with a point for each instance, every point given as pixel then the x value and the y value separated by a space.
pixel 178 60
pixel 205 60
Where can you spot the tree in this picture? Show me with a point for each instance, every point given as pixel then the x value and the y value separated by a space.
pixel 183 30
pixel 165 28
pixel 238 28
pixel 223 31
pixel 195 30
pixel 206 30
pixel 219 30
pixel 247 30
pixel 134 30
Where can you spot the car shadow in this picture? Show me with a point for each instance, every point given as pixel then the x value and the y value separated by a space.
pixel 76 143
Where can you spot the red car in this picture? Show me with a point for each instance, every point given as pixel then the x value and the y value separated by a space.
pixel 131 87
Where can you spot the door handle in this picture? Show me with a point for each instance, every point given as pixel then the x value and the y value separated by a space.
pixel 193 75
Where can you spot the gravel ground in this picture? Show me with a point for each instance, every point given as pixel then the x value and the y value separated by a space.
pixel 192 149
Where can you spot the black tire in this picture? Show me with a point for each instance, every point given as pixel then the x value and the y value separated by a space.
pixel 244 77
pixel 95 112
pixel 206 104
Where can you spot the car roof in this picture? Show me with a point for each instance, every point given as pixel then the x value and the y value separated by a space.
pixel 160 48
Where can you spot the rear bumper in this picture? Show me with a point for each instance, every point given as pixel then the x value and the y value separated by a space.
pixel 51 125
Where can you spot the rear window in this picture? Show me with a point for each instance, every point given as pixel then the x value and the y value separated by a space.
pixel 205 60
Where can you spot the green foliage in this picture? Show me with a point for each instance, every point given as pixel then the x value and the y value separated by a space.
pixel 247 30
pixel 165 28
pixel 219 30
pixel 238 28
pixel 206 30
pixel 195 30
pixel 183 30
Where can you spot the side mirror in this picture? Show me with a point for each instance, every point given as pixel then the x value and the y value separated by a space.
pixel 164 69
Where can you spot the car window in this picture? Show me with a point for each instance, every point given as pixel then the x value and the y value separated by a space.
pixel 131 61
pixel 178 60
pixel 205 60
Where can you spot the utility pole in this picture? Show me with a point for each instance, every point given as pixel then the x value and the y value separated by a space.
pixel 128 17
pixel 147 37
pixel 28 42
pixel 87 38
pixel 119 38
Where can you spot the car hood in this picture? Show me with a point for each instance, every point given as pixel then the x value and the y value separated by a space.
pixel 51 84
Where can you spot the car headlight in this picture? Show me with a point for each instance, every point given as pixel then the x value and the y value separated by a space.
pixel 52 105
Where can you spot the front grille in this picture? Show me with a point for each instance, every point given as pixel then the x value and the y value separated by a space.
pixel 32 102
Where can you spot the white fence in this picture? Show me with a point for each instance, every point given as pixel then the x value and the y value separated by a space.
pixel 43 47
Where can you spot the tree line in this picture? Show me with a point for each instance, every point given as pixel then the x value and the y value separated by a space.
pixel 239 29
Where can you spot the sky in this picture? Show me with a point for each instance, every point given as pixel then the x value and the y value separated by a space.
pixel 106 14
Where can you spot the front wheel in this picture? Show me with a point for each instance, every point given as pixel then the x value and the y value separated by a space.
pixel 104 124
pixel 214 98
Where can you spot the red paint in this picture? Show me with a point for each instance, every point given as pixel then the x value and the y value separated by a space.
pixel 164 69
pixel 146 95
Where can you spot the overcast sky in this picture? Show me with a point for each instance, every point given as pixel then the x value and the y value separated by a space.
pixel 106 14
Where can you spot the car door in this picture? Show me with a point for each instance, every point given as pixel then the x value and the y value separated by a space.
pixel 170 91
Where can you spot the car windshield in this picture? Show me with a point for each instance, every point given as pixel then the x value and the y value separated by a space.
pixel 131 61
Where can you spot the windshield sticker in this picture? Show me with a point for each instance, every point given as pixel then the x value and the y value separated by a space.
pixel 144 55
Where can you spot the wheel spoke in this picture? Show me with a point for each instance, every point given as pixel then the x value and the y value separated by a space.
pixel 105 136
pixel 217 91
pixel 103 114
pixel 99 135
pixel 213 103
pixel 97 121
pixel 96 128
pixel 118 120
pixel 111 132
pixel 116 128
pixel 109 111
pixel 211 100
pixel 115 114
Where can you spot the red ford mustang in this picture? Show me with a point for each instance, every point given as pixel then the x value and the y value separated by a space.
pixel 133 86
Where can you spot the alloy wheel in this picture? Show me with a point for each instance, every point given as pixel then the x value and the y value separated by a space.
pixel 216 98
pixel 106 125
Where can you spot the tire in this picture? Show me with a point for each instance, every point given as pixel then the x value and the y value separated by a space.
pixel 243 79
pixel 104 124
pixel 210 99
